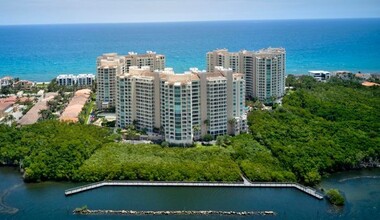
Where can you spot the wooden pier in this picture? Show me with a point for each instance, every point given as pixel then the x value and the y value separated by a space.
pixel 246 183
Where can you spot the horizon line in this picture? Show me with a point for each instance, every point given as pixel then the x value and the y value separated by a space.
pixel 186 21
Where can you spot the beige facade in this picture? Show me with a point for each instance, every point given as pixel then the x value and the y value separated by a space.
pixel 111 65
pixel 184 106
pixel 151 59
pixel 108 67
pixel 264 70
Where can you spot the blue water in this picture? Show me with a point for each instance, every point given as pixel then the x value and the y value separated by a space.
pixel 40 52
pixel 47 201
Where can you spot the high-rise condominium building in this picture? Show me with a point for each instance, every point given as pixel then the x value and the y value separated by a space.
pixel 184 106
pixel 108 67
pixel 111 65
pixel 151 59
pixel 264 70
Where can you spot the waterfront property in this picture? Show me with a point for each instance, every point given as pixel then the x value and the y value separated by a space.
pixel 184 106
pixel 264 70
pixel 71 80
pixel 6 81
pixel 23 85
pixel 320 75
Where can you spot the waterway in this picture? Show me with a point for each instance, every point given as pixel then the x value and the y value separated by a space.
pixel 47 200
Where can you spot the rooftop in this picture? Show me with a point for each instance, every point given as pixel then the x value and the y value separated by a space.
pixel 366 83
pixel 75 106
pixel 318 72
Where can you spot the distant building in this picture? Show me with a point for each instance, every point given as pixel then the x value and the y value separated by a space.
pixel 108 67
pixel 320 75
pixel 23 84
pixel 71 80
pixel 111 65
pixel 66 80
pixel 264 70
pixel 363 76
pixel 74 108
pixel 343 74
pixel 184 106
pixel 151 59
pixel 6 81
pixel 6 104
pixel 85 79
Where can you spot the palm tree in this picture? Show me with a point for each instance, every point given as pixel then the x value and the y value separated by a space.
pixel 206 122
pixel 232 122
pixel 196 129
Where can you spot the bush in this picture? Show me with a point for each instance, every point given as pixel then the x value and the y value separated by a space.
pixel 153 162
pixel 50 150
pixel 207 137
pixel 335 197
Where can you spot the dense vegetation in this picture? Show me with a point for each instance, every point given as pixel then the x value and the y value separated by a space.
pixel 321 127
pixel 257 162
pixel 335 197
pixel 87 109
pixel 50 150
pixel 153 162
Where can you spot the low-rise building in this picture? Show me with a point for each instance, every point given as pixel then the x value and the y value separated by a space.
pixel 71 79
pixel 23 84
pixel 6 104
pixel 320 75
pixel 343 74
pixel 85 79
pixel 66 80
pixel 6 81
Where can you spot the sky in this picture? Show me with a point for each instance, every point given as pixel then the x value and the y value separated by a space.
pixel 13 12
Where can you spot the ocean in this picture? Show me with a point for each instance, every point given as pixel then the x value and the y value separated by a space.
pixel 41 52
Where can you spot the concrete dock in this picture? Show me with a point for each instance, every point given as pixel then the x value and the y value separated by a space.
pixel 246 183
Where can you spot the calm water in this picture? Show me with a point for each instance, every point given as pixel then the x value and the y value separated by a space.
pixel 47 200
pixel 41 52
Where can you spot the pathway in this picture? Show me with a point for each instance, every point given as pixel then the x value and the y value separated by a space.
pixel 246 183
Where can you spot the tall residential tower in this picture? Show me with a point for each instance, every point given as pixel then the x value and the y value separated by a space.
pixel 183 106
pixel 264 70
pixel 111 65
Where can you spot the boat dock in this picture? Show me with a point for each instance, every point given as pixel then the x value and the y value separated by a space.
pixel 246 183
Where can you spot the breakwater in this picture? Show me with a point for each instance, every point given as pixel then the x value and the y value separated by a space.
pixel 246 183
pixel 201 213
